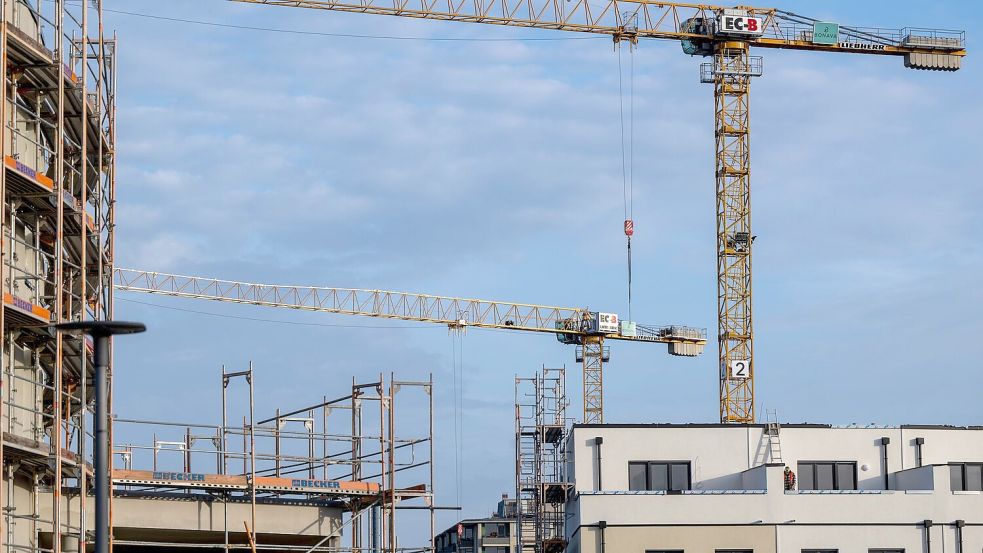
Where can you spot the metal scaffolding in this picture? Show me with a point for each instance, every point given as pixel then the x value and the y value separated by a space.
pixel 356 462
pixel 58 182
pixel 541 485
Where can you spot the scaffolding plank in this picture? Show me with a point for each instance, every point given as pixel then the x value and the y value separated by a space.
pixel 168 479
pixel 30 313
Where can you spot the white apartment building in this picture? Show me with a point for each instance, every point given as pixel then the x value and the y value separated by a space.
pixel 710 488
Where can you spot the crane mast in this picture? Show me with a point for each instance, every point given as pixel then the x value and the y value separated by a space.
pixel 725 35
pixel 732 70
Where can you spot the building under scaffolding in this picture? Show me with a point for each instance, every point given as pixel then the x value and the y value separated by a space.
pixel 297 480
pixel 57 185
pixel 540 459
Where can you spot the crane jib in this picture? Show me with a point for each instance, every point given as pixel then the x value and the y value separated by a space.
pixel 456 313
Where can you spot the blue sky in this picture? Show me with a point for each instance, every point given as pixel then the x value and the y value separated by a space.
pixel 493 169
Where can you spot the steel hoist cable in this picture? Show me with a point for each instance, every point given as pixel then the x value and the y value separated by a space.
pixel 627 150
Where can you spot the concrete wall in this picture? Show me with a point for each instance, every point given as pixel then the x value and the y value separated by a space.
pixel 736 502
pixel 921 478
pixel 302 520
pixel 787 538
pixel 23 526
pixel 716 463
pixel 23 18
pixel 24 390
pixel 718 455
pixel 192 521
pixel 706 539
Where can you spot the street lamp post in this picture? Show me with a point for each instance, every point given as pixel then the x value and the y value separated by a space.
pixel 101 331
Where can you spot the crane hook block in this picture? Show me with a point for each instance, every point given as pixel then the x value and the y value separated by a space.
pixel 629 227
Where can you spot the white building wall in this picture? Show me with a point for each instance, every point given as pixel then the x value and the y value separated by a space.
pixel 733 486
pixel 719 454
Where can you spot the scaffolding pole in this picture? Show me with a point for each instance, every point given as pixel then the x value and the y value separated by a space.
pixel 363 470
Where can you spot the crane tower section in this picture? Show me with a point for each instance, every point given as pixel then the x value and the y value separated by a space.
pixel 730 73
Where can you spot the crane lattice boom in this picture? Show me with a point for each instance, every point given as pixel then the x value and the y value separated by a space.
pixel 457 313
pixel 634 19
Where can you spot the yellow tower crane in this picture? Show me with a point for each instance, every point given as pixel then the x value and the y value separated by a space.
pixel 571 325
pixel 725 35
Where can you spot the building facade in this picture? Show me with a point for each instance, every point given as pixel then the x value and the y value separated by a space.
pixel 495 534
pixel 725 488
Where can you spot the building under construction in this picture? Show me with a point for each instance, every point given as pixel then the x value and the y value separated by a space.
pixel 331 476
pixel 57 184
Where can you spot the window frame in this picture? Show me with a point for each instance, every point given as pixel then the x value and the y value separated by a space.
pixel 963 467
pixel 669 482
pixel 836 475
pixel 495 530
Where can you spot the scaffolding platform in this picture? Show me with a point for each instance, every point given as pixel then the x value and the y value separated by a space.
pixel 556 492
pixel 553 433
pixel 37 454
pixel 555 545
pixel 23 312
pixel 166 479
pixel 25 49
pixel 25 180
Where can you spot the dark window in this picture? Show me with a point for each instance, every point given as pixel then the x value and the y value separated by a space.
pixel 663 551
pixel 885 551
pixel 807 480
pixel 679 476
pixel 846 476
pixel 966 477
pixel 636 476
pixel 658 476
pixel 494 530
pixel 820 551
pixel 824 476
pixel 974 477
pixel 734 551
pixel 956 480
pixel 827 475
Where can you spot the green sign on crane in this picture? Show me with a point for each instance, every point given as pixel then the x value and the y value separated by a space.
pixel 825 33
